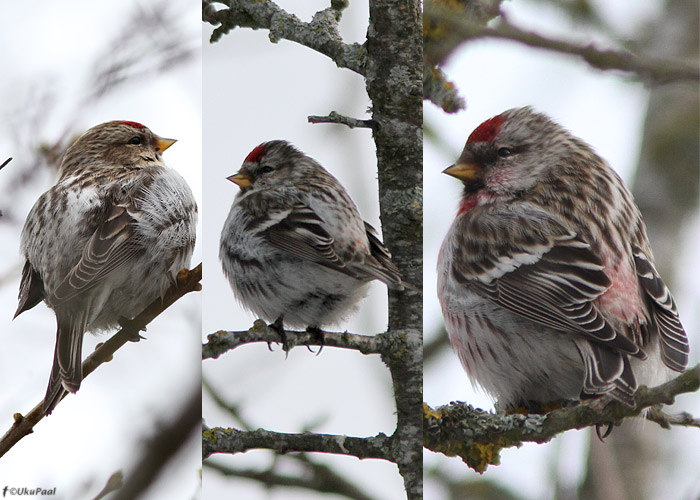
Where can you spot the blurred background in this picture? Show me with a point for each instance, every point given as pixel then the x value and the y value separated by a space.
pixel 649 134
pixel 255 91
pixel 66 67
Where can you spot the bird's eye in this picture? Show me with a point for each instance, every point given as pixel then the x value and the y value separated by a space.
pixel 135 140
pixel 504 152
pixel 266 169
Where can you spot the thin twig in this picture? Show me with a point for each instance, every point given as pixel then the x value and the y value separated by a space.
pixel 334 117
pixel 666 420
pixel 162 447
pixel 187 281
pixel 231 409
pixel 317 477
pixel 230 440
pixel 460 29
pixel 441 92
pixel 223 341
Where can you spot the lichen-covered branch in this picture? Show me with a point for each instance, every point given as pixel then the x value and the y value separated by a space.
pixel 229 440
pixel 187 281
pixel 320 34
pixel 440 91
pixel 477 436
pixel 462 29
pixel 222 341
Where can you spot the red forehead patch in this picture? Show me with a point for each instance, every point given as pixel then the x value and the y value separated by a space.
pixel 132 124
pixel 255 154
pixel 487 130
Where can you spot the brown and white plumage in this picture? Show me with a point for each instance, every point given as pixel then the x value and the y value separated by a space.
pixel 294 246
pixel 105 240
pixel 546 277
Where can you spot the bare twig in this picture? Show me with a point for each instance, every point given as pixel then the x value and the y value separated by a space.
pixel 6 162
pixel 665 420
pixel 460 29
pixel 229 440
pixel 478 436
pixel 317 477
pixel 222 341
pixel 334 117
pixel 440 91
pixel 114 482
pixel 159 450
pixel 187 281
pixel 229 408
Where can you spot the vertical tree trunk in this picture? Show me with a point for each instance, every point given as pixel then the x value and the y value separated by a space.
pixel 394 85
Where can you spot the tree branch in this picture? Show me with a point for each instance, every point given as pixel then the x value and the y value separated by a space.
pixel 334 117
pixel 222 341
pixel 230 440
pixel 6 162
pixel 187 281
pixel 665 420
pixel 320 34
pixel 440 91
pixel 159 450
pixel 460 29
pixel 317 477
pixel 313 476
pixel 478 436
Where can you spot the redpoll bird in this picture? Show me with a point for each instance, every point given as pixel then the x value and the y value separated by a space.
pixel 546 277
pixel 294 247
pixel 105 241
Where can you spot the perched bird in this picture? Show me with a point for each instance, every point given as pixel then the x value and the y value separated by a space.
pixel 107 239
pixel 546 277
pixel 294 247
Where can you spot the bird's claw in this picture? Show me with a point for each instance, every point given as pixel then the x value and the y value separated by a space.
pixel 278 326
pixel 316 337
pixel 133 331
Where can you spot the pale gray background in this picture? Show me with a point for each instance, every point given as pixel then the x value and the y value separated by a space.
pixel 48 50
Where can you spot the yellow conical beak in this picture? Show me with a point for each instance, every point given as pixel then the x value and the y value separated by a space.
pixel 464 171
pixel 243 180
pixel 163 144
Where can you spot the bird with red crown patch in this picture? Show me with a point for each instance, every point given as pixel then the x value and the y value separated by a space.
pixel 294 246
pixel 106 240
pixel 546 277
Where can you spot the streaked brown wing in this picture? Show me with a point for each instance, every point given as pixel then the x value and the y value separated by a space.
pixel 111 245
pixel 540 270
pixel 674 341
